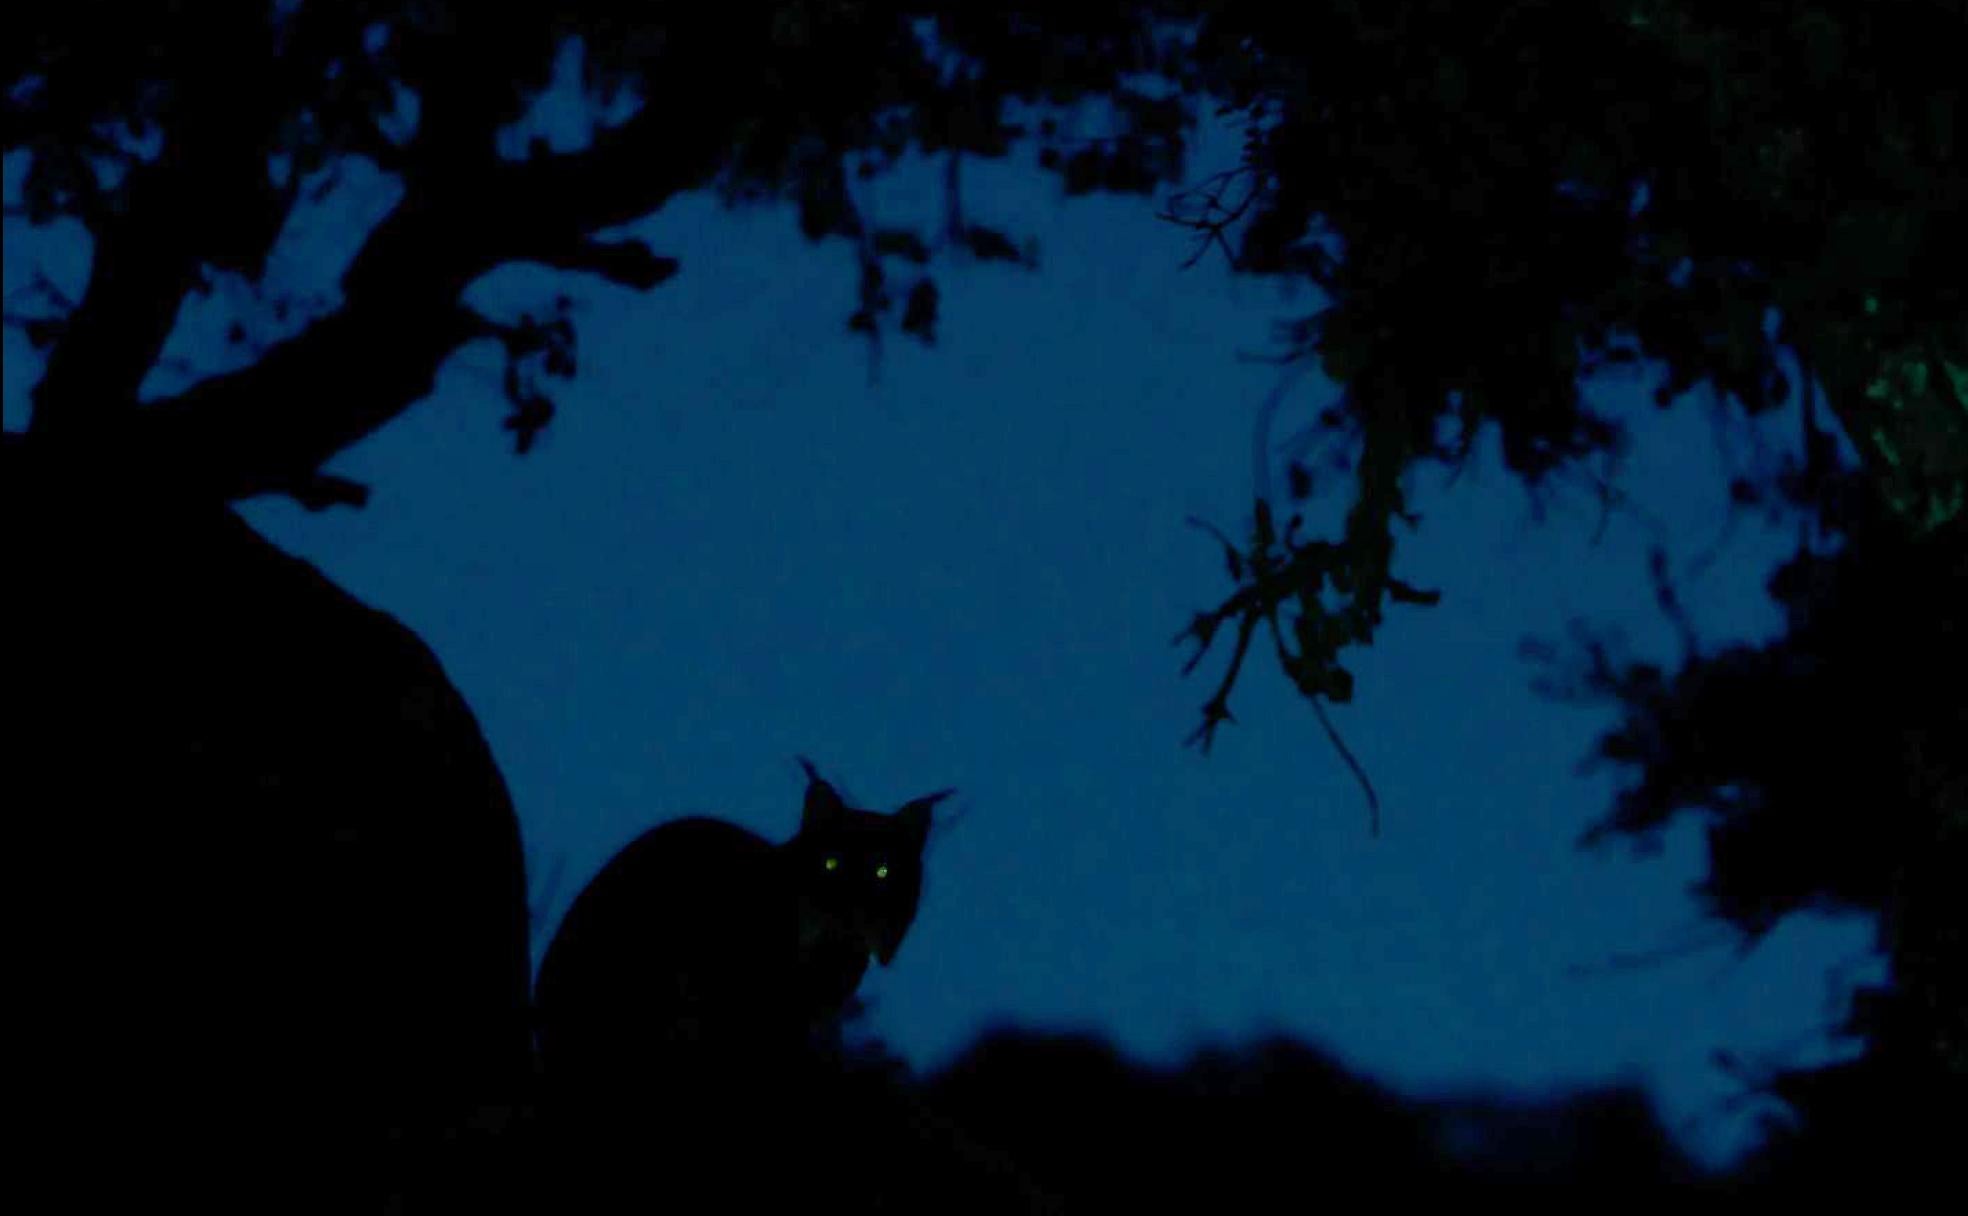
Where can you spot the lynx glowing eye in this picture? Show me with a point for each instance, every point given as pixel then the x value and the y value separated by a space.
pixel 881 871
pixel 832 864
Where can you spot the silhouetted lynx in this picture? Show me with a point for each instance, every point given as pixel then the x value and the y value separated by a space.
pixel 703 956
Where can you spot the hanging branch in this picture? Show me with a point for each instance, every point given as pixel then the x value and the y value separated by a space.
pixel 1280 569
pixel 1286 658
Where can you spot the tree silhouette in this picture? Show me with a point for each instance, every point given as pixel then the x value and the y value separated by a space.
pixel 1521 199
pixel 1498 201
pixel 1829 766
pixel 284 949
pixel 1494 200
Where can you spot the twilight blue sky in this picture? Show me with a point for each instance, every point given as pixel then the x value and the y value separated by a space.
pixel 730 548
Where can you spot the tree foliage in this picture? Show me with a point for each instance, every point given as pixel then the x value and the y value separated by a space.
pixel 1525 197
pixel 1499 201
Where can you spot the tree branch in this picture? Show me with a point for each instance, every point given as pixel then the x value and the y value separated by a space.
pixel 629 263
pixel 270 426
pixel 203 199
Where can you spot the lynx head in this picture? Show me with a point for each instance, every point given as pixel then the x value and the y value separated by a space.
pixel 859 872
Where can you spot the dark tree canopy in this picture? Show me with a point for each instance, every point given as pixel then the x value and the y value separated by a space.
pixel 1495 199
pixel 1523 195
pixel 1530 193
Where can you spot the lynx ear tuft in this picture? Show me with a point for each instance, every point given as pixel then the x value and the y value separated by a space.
pixel 915 814
pixel 822 800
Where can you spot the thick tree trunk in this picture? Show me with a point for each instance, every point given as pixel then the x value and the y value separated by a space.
pixel 271 939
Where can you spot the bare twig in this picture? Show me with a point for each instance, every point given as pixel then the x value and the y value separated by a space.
pixel 1332 735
